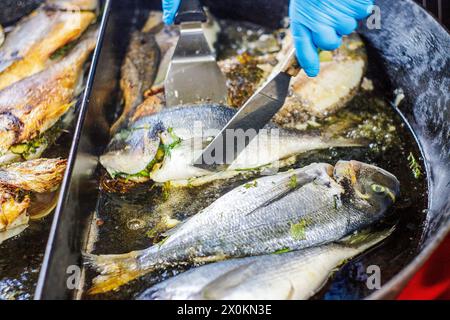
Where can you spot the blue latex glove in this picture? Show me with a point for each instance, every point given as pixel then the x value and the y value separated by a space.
pixel 170 8
pixel 315 24
pixel 320 24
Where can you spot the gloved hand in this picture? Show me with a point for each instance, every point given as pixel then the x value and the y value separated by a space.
pixel 315 24
pixel 320 24
pixel 170 8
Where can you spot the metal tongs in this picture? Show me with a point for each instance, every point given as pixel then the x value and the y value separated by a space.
pixel 255 114
pixel 193 76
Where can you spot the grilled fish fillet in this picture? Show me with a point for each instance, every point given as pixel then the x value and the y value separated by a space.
pixel 28 48
pixel 17 182
pixel 35 104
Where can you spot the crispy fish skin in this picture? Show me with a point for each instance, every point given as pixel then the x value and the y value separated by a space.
pixel 294 275
pixel 35 176
pixel 35 104
pixel 28 48
pixel 138 73
pixel 341 74
pixel 40 175
pixel 13 217
pixel 298 209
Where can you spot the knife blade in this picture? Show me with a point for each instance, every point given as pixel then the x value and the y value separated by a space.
pixel 250 119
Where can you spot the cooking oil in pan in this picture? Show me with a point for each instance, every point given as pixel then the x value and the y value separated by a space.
pixel 132 220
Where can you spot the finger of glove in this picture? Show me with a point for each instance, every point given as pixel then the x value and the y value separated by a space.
pixel 345 25
pixel 357 9
pixel 330 14
pixel 306 50
pixel 170 8
pixel 326 38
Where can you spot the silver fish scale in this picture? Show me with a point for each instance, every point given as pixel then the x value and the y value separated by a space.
pixel 259 220
pixel 256 275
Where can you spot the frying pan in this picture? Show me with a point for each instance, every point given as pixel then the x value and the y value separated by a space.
pixel 411 47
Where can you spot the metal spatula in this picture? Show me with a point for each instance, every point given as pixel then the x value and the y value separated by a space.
pixel 193 74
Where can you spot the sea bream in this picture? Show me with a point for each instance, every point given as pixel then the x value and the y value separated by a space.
pixel 33 106
pixel 19 183
pixel 293 210
pixel 29 47
pixel 163 146
pixel 296 275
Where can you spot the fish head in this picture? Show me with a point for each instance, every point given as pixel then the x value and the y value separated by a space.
pixel 372 189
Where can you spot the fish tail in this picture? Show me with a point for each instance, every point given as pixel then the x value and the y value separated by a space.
pixel 366 239
pixel 115 270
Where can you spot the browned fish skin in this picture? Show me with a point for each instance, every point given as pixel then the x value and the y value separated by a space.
pixel 11 208
pixel 35 104
pixel 138 72
pixel 28 48
pixel 36 176
pixel 338 82
pixel 41 175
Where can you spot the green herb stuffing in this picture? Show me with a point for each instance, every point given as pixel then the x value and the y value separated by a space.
pixel 29 149
pixel 414 166
pixel 144 173
pixel 293 182
pixel 281 251
pixel 298 230
pixel 165 191
pixel 63 51
pixel 175 143
pixel 249 185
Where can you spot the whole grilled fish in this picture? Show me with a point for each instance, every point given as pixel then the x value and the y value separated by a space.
pixel 17 182
pixel 294 275
pixel 181 133
pixel 293 210
pixel 138 73
pixel 28 48
pixel 35 104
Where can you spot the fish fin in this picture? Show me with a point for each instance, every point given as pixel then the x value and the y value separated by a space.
pixel 366 239
pixel 218 288
pixel 291 292
pixel 347 143
pixel 115 270
pixel 169 232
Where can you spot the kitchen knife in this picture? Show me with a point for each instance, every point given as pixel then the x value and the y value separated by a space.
pixel 255 114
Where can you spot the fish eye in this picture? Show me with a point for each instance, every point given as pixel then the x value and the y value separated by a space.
pixel 378 188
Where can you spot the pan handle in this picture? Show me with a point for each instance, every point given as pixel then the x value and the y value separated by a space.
pixel 190 11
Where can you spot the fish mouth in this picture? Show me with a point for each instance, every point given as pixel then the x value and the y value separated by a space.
pixel 358 174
